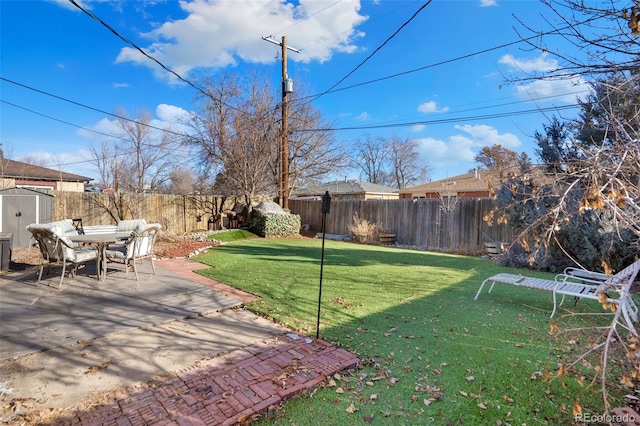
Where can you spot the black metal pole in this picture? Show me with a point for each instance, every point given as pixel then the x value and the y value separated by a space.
pixel 326 203
pixel 324 215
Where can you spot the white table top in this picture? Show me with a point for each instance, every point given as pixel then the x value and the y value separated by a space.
pixel 100 238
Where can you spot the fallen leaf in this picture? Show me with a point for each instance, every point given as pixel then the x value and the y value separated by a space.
pixel 482 406
pixel 463 393
pixel 577 409
pixel 332 383
pixel 507 399
pixel 339 390
pixel 368 418
pixel 427 402
pixel 373 396
pixel 470 379
pixel 351 409
pixel 626 381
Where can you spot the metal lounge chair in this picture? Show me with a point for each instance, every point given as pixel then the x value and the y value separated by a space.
pixel 137 248
pixel 607 289
pixel 57 249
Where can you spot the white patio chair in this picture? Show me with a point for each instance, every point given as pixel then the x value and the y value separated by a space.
pixel 57 249
pixel 138 248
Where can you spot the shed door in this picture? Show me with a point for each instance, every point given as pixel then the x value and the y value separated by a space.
pixel 18 211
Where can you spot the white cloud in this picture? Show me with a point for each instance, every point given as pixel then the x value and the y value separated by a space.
pixel 170 113
pixel 363 117
pixel 166 117
pixel 549 88
pixel 417 128
pixel 537 64
pixel 119 85
pixel 487 3
pixel 562 90
pixel 484 135
pixel 463 147
pixel 218 33
pixel 431 106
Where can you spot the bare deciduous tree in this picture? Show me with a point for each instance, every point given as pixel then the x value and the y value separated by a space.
pixel 389 161
pixel 370 156
pixel 235 130
pixel 141 160
pixel 406 167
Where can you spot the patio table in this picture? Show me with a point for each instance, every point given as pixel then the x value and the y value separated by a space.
pixel 101 241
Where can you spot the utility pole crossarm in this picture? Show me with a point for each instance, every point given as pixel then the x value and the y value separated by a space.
pixel 271 40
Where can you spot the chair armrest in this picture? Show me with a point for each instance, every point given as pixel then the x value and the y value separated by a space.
pixel 583 273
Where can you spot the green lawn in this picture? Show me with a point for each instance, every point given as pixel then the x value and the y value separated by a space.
pixel 431 354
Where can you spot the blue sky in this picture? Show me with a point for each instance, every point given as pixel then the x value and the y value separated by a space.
pixel 446 94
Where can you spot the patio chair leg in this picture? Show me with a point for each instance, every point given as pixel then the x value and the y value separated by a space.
pixel 64 266
pixel 153 266
pixel 40 275
pixel 133 262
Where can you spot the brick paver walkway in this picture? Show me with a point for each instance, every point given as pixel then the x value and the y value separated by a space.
pixel 226 390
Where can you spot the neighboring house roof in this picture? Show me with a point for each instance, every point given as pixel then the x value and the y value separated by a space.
pixel 344 187
pixel 474 184
pixel 18 170
pixel 471 182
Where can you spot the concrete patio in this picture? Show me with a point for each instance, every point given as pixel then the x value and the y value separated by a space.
pixel 63 350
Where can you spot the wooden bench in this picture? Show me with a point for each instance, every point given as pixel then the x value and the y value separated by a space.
pixel 494 248
pixel 387 238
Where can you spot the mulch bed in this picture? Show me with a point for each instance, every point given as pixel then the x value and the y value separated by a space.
pixel 169 249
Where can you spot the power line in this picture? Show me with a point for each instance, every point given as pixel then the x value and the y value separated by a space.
pixel 88 106
pixel 377 18
pixel 132 151
pixel 447 61
pixel 139 49
pixel 443 120
pixel 307 18
pixel 377 49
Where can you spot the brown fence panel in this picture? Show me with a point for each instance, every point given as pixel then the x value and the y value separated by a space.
pixel 176 213
pixel 428 224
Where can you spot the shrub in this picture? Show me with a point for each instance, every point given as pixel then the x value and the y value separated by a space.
pixel 275 225
pixel 362 231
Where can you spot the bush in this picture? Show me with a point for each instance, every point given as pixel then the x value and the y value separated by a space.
pixel 275 225
pixel 362 231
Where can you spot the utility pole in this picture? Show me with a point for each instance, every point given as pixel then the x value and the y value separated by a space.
pixel 283 146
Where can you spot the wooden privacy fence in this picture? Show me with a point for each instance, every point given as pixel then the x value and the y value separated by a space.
pixel 427 224
pixel 423 223
pixel 176 213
